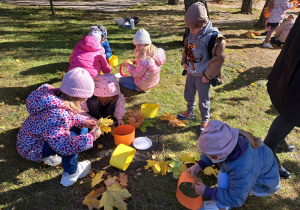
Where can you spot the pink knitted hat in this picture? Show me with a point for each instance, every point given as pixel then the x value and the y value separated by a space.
pixel 106 85
pixel 78 83
pixel 218 140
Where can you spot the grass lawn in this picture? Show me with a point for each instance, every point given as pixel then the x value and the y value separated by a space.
pixel 35 48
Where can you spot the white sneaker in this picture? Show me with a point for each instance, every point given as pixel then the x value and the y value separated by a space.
pixel 83 169
pixel 211 205
pixel 267 45
pixel 53 160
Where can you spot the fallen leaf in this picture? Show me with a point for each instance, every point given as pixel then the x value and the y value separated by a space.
pixel 114 196
pixel 139 174
pixel 2 76
pixel 97 179
pixel 91 199
pixel 211 171
pixel 139 169
pixel 17 60
pixel 17 99
pixel 123 178
pixel 100 146
pixel 111 181
pixel 188 158
pixel 153 156
pixel 104 124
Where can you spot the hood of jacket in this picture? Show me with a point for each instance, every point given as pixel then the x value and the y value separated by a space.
pixel 207 30
pixel 160 57
pixel 42 99
pixel 90 43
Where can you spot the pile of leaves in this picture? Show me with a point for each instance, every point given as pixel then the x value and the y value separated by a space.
pixel 137 120
pixel 177 166
pixel 108 192
pixel 251 34
pixel 105 124
pixel 173 121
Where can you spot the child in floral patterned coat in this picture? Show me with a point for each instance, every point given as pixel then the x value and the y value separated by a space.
pixel 107 99
pixel 145 70
pixel 46 132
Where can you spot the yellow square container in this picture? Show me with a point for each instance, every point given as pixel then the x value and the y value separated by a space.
pixel 149 110
pixel 113 60
pixel 122 156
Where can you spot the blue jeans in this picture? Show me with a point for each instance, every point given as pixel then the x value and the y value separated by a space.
pixel 69 162
pixel 127 82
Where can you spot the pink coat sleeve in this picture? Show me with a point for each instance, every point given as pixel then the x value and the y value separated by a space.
pixel 105 68
pixel 138 71
pixel 120 107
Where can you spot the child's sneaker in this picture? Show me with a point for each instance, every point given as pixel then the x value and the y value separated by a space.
pixel 211 205
pixel 267 45
pixel 83 169
pixel 185 115
pixel 53 160
pixel 202 126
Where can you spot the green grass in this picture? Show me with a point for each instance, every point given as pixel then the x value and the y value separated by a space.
pixel 35 48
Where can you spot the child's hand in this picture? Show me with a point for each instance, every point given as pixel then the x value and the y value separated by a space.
pixel 97 131
pixel 120 122
pixel 89 123
pixel 204 80
pixel 134 62
pixel 199 188
pixel 194 170
pixel 185 66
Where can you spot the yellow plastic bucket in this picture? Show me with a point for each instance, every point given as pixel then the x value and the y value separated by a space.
pixel 122 156
pixel 113 60
pixel 149 110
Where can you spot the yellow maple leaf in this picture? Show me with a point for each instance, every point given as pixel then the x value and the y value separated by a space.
pixel 98 178
pixel 91 199
pixel 164 167
pixel 188 158
pixel 114 196
pixel 183 168
pixel 104 124
pixel 150 163
pixel 211 171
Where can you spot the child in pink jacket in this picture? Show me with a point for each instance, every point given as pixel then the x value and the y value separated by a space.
pixel 90 55
pixel 145 70
pixel 107 99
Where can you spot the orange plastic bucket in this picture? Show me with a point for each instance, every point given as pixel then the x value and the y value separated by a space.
pixel 124 134
pixel 188 202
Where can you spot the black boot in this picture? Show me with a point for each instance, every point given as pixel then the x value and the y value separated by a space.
pixel 285 147
pixel 284 173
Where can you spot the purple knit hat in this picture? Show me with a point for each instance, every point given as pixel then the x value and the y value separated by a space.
pixel 78 83
pixel 218 140
pixel 106 85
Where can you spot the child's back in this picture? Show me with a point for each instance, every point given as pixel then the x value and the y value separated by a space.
pixel 90 55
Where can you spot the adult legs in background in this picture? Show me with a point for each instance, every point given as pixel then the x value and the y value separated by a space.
pixel 278 130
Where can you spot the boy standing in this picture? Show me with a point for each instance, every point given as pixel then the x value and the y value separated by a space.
pixel 201 64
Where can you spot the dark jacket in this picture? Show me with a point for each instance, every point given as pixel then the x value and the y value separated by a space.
pixel 284 79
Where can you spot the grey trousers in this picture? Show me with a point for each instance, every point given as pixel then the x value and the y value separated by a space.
pixel 278 130
pixel 193 84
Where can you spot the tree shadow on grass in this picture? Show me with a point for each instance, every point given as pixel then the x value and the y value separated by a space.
pixel 10 93
pixel 51 68
pixel 246 78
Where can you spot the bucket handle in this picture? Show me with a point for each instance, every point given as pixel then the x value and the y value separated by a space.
pixel 121 70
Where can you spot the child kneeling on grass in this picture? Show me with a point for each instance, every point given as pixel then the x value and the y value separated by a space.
pixel 145 70
pixel 246 165
pixel 107 99
pixel 46 132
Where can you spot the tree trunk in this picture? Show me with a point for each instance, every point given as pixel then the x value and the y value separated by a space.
pixel 262 20
pixel 173 2
pixel 52 9
pixel 246 7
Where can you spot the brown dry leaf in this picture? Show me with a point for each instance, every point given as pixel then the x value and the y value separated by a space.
pixel 17 99
pixel 97 179
pixel 123 178
pixel 111 181
pixel 135 118
pixel 2 76
pixel 100 146
pixel 91 199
